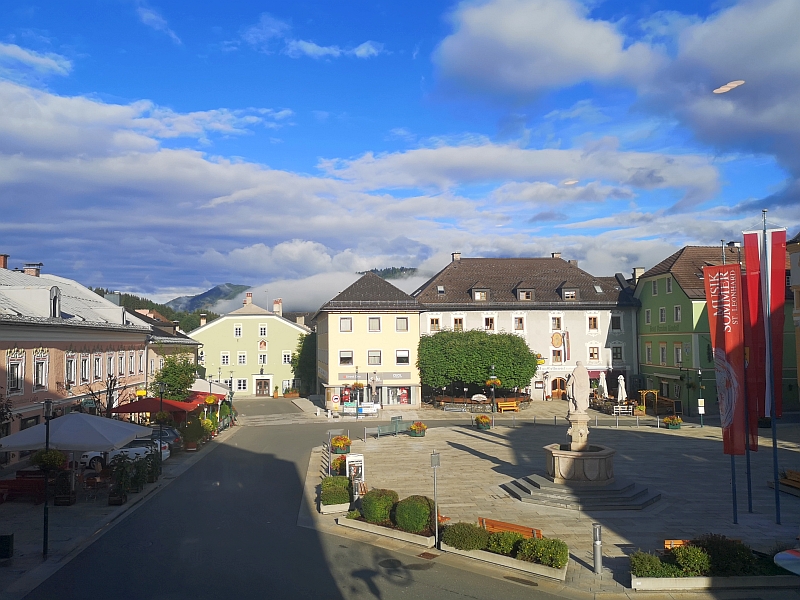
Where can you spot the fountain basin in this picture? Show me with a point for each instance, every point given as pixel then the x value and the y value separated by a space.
pixel 591 467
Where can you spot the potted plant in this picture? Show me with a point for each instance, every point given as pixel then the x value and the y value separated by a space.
pixel 162 417
pixel 65 494
pixel 340 444
pixel 208 427
pixel 139 475
pixel 121 473
pixel 339 465
pixel 48 460
pixel 673 422
pixel 417 429
pixel 275 392
pixel 151 468
pixel 483 422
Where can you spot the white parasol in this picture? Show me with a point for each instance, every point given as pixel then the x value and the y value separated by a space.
pixel 603 386
pixel 621 393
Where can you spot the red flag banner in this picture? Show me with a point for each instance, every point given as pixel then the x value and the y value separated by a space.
pixel 726 324
pixel 776 260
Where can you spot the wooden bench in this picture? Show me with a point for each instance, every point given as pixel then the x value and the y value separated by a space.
pixel 792 479
pixel 493 526
pixel 14 488
pixel 670 544
pixel 622 409
pixel 507 405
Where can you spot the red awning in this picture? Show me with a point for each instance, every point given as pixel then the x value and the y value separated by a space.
pixel 152 405
pixel 200 397
pixel 596 374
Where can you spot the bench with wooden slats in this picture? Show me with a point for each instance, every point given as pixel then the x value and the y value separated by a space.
pixel 670 544
pixel 792 479
pixel 507 405
pixel 493 526
pixel 14 488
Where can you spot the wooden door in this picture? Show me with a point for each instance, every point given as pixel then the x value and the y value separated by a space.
pixel 262 387
pixel 558 389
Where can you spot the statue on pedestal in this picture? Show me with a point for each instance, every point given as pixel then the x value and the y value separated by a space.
pixel 578 397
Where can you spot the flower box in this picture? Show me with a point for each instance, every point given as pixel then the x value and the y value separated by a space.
pixel 345 450
pixel 412 538
pixel 483 425
pixel 673 425
pixel 414 433
pixel 511 563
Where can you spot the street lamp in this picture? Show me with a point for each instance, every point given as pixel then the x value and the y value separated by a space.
pixel 355 389
pixel 494 409
pixel 48 414
pixel 435 464
pixel 161 387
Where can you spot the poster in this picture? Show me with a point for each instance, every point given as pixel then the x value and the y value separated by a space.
pixel 404 395
pixel 355 471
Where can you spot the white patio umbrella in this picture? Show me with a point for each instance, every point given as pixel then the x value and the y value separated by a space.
pixel 622 395
pixel 76 432
pixel 603 385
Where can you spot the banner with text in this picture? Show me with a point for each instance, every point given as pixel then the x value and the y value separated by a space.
pixel 725 320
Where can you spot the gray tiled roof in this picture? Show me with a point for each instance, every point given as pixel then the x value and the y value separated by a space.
pixel 371 292
pixel 503 276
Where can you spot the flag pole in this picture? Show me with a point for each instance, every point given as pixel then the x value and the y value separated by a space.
pixel 766 273
pixel 733 490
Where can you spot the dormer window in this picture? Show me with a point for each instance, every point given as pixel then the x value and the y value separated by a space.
pixel 440 290
pixel 569 294
pixel 525 294
pixel 480 295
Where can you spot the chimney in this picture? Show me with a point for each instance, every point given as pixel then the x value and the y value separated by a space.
pixel 555 255
pixel 637 273
pixel 248 298
pixel 202 319
pixel 572 261
pixel 277 306
pixel 3 261
pixel 114 297
pixel 301 320
pixel 33 269
pixel 456 256
pixel 176 326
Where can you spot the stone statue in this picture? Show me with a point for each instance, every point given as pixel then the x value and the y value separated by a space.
pixel 578 390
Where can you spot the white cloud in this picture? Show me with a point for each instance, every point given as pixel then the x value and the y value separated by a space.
pixel 298 48
pixel 14 57
pixel 262 33
pixel 367 49
pixel 153 19
pixel 540 191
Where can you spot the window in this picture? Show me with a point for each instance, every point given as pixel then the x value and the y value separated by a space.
pixel 109 365
pixel 488 323
pixel 373 357
pixel 480 295
pixel 402 357
pixel 345 324
pixel 224 358
pixel 40 373
pixel 160 363
pixel 678 352
pixel 525 295
pixel 555 323
pixel 152 366
pixel 556 356
pixel 241 385
pixel 241 358
pixel 141 362
pixel 662 354
pixel 616 352
pixel 401 324
pixel 15 376
pixel 519 323
pixel 287 357
pixel 676 314
pixel 654 287
pixel 374 323
pixel 345 357
pixel 677 388
pixel 262 358
pixel 648 353
pixel 262 330
pixel 594 353
pixel 70 372
pixel 570 295
pixel 663 388
pixel 616 323
pixel 201 357
pixel 440 290
pixel 131 363
pixel 592 323
pixel 669 285
pixel 662 315
pixel 121 364
pixel 435 324
pixel 648 317
pixel 237 330
pixel 84 369
pixel 458 324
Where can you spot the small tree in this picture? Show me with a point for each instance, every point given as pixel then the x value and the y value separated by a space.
pixel 304 360
pixel 6 410
pixel 178 373
pixel 107 395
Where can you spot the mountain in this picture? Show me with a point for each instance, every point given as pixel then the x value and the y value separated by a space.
pixel 207 299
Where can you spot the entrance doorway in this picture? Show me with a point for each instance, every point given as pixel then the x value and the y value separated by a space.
pixel 558 389
pixel 262 387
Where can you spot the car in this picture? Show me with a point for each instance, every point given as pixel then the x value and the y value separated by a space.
pixel 138 448
pixel 172 436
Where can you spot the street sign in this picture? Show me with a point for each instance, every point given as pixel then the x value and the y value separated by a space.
pixel 701 406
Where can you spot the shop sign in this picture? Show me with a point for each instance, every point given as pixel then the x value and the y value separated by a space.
pixel 368 408
pixel 355 471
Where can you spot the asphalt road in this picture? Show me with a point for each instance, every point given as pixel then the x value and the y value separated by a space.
pixel 227 529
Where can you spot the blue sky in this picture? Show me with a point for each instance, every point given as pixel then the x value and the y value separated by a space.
pixel 161 148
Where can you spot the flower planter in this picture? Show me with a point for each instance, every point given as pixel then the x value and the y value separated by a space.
pixel 190 447
pixel 512 563
pixel 483 426
pixel 65 499
pixel 329 509
pixel 665 584
pixel 404 536
pixel 345 450
pixel 117 499
pixel 675 426
pixel 413 433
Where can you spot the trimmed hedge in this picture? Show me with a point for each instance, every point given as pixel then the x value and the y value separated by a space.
pixel 692 560
pixel 465 536
pixel 644 564
pixel 504 542
pixel 334 490
pixel 550 552
pixel 727 557
pixel 413 514
pixel 377 505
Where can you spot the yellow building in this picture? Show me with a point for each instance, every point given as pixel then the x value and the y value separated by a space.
pixel 367 339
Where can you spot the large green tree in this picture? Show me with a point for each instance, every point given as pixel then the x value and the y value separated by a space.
pixel 178 374
pixel 304 361
pixel 467 356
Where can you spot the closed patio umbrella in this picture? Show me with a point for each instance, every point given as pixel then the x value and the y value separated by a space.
pixel 622 395
pixel 603 385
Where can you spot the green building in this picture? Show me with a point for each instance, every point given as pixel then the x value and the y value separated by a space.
pixel 675 354
pixel 251 346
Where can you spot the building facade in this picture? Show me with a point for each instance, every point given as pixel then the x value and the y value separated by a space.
pixel 564 314
pixel 368 336
pixel 251 349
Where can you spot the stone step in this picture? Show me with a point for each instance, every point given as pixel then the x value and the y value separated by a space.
pixel 572 495
pixel 605 505
pixel 543 483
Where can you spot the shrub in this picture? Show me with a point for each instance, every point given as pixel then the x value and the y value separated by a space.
pixel 335 490
pixel 465 536
pixel 482 420
pixel 727 557
pixel 377 505
pixel 413 514
pixel 48 460
pixel 353 514
pixel 207 425
pixel 504 542
pixel 550 552
pixel 692 560
pixel 649 565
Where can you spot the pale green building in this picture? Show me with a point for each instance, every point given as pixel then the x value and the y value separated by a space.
pixel 251 346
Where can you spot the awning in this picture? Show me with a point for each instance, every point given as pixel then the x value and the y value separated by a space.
pixel 595 374
pixel 153 405
pixel 200 397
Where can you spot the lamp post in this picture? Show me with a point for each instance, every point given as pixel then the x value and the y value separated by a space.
pixel 355 389
pixel 161 386
pixel 48 414
pixel 435 464
pixel 494 409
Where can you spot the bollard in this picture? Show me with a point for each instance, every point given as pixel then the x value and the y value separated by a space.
pixel 534 419
pixel 555 420
pixel 595 420
pixel 318 411
pixel 492 420
pixel 658 422
pixel 617 421
pixel 637 421
pixel 598 549
pixel 365 435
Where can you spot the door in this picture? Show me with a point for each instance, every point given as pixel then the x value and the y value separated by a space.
pixel 558 389
pixel 262 387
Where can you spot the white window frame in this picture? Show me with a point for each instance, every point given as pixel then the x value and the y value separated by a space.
pixel 519 320
pixel 570 294
pixel 372 322
pixel 70 371
pixel 237 330
pixel 225 359
pixel 141 361
pixel 648 353
pixel 121 364
pixel 398 322
pixel 262 330
pixel 668 284
pixel 560 353
pixel 346 354
pixel 677 353
pixel 525 295
pixel 241 385
pixel 348 321
pixel 654 287
pixel 286 357
pixel 556 322
pixel 241 357
pixel 676 313
pixel 399 354
pixel 20 377
pixel 596 349
pixel 42 362
pixel 648 316
pixel 85 373
pixel 110 365
pixel 480 295
pixel 371 357
pixel 662 314
pixel 662 353
pixel 262 358
pixel 131 363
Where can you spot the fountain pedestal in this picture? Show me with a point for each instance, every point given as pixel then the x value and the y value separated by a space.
pixel 579 463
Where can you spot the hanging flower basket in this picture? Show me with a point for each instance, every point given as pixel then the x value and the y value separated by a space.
pixel 493 381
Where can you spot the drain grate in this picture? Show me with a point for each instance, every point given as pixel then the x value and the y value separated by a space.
pixel 428 556
pixel 521 580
